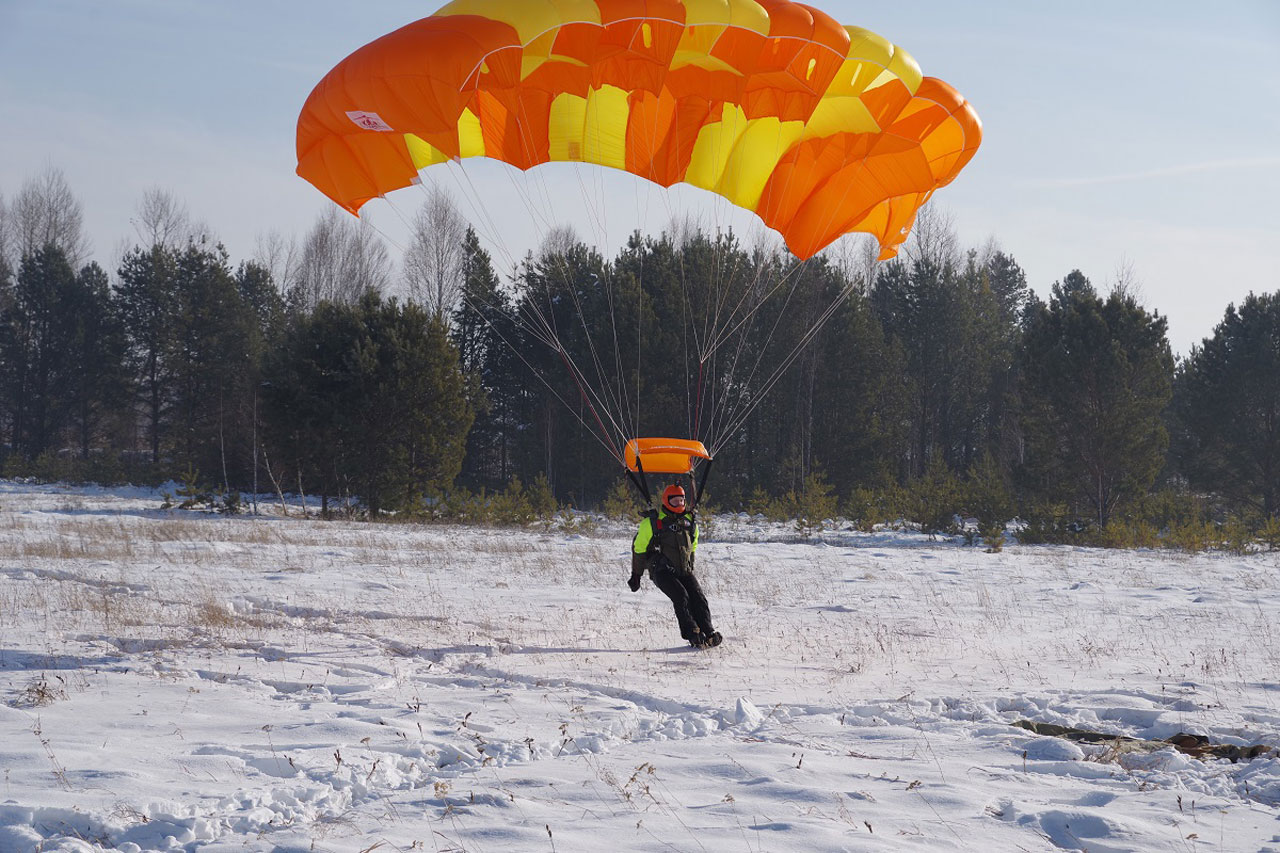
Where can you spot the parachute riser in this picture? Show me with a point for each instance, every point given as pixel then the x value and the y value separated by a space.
pixel 702 483
pixel 641 483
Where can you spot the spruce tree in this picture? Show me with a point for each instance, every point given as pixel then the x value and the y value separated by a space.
pixel 487 340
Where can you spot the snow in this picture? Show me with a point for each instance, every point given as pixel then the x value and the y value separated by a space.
pixel 179 681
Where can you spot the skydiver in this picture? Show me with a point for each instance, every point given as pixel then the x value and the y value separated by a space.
pixel 665 545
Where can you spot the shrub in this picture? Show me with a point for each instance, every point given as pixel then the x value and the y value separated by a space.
pixel 1192 536
pixel 621 503
pixel 510 506
pixel 868 507
pixel 935 499
pixel 986 495
pixel 1045 524
pixel 992 536
pixel 764 504
pixel 814 505
pixel 1269 533
pixel 1236 535
pixel 542 501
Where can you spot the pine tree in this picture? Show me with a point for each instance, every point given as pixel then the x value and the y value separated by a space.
pixel 260 293
pixel 862 416
pixel 34 348
pixel 212 367
pixel 930 310
pixel 1227 398
pixel 368 402
pixel 1096 380
pixel 147 296
pixel 97 379
pixel 1007 283
pixel 306 393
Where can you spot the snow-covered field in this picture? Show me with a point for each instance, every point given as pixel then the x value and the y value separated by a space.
pixel 171 681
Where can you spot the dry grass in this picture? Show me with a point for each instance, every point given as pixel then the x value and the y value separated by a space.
pixel 38 694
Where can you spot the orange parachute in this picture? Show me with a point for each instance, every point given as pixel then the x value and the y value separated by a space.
pixel 818 128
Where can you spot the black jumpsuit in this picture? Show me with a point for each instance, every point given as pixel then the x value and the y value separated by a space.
pixel 665 545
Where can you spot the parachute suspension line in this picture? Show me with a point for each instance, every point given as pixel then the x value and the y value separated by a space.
pixel 610 397
pixel 545 333
pixel 812 333
pixel 604 431
pixel 548 324
pixel 742 329
pixel 708 335
pixel 490 227
pixel 553 332
pixel 782 368
pixel 405 222
pixel 595 207
pixel 557 261
pixel 738 419
pixel 686 319
pixel 722 333
pixel 688 327
pixel 548 333
pixel 552 339
pixel 607 445
pixel 619 369
pixel 383 234
pixel 746 397
pixel 751 312
pixel 697 410
pixel 538 180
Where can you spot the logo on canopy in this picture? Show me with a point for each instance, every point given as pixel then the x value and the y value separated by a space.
pixel 369 121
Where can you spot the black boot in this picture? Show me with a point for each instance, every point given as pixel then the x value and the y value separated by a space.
pixel 705 641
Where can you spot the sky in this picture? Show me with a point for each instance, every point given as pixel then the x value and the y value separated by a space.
pixel 1134 136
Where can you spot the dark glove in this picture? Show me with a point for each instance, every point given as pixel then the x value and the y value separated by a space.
pixel 638 564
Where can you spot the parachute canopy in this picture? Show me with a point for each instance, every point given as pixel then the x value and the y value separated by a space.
pixel 664 455
pixel 818 128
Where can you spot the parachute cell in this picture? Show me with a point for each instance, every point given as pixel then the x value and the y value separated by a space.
pixel 818 128
pixel 663 455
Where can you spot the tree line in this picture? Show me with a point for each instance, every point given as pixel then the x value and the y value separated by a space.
pixel 927 387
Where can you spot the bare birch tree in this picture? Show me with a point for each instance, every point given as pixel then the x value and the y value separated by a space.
pixel 6 242
pixel 856 257
pixel 162 220
pixel 1125 282
pixel 280 256
pixel 44 212
pixel 681 229
pixel 558 242
pixel 433 261
pixel 933 238
pixel 341 260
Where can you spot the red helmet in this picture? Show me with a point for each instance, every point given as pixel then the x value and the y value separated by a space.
pixel 673 499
